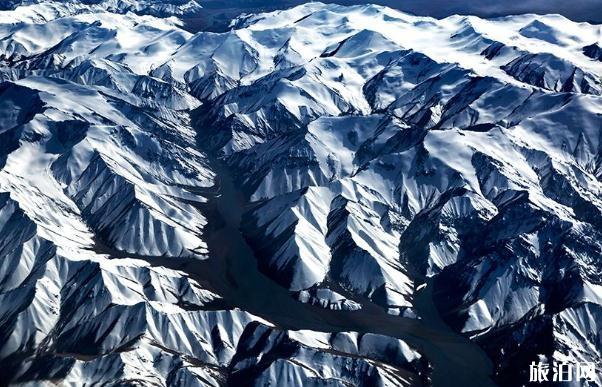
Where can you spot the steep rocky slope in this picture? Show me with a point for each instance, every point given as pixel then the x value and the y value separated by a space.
pixel 414 196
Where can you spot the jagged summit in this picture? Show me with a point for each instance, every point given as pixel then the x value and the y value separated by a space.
pixel 302 199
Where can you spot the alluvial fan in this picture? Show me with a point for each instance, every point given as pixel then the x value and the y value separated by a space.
pixel 324 195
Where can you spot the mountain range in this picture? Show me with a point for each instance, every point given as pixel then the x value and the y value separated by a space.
pixel 323 195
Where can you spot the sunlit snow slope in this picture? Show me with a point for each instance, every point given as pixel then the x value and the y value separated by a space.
pixel 374 151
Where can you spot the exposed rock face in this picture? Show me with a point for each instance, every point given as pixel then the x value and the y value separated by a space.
pixel 375 160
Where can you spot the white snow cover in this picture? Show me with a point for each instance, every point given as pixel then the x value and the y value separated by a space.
pixel 379 150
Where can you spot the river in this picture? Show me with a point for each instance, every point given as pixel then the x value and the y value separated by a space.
pixel 232 272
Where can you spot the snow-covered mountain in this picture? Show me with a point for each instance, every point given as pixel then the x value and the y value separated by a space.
pixel 59 8
pixel 322 195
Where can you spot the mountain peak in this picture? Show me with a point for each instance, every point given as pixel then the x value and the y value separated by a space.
pixel 324 194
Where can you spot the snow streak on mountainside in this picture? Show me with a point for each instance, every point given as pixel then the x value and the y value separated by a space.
pixel 375 153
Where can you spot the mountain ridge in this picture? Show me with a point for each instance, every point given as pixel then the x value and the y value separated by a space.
pixel 213 208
